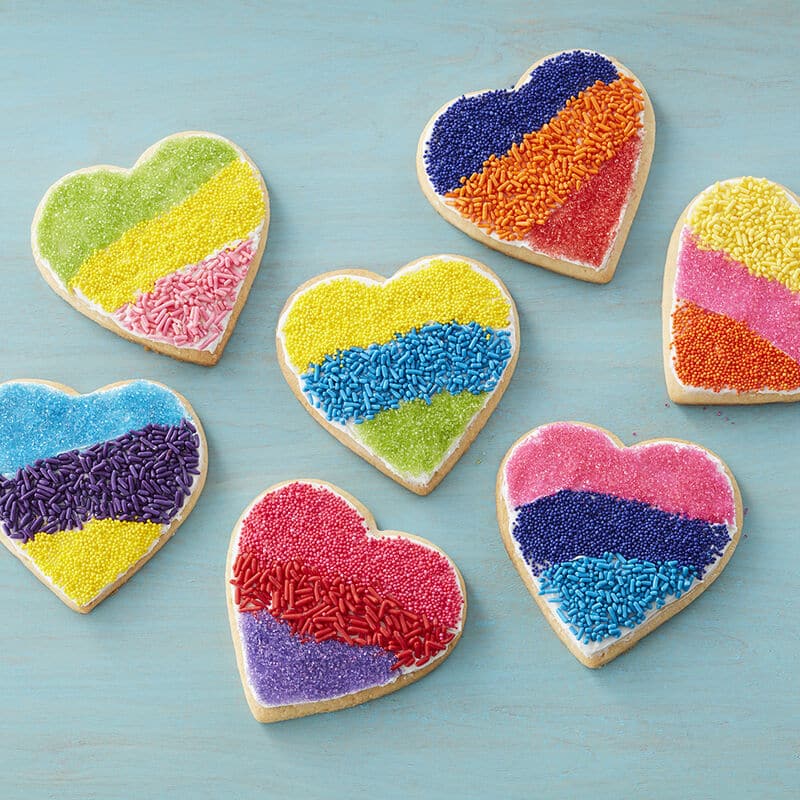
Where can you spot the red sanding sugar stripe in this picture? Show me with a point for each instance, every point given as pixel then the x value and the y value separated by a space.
pixel 713 351
pixel 322 607
pixel 318 527
pixel 583 229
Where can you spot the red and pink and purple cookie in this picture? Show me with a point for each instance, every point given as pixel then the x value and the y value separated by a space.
pixel 550 171
pixel 405 370
pixel 162 254
pixel 326 610
pixel 612 541
pixel 92 486
pixel 732 296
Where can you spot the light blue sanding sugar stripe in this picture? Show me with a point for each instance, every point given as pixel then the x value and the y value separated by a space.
pixel 358 383
pixel 39 421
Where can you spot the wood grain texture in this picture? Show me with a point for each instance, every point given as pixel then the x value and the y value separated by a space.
pixel 141 697
pixel 515 250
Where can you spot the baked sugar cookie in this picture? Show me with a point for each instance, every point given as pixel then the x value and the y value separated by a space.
pixel 731 305
pixel 327 611
pixel 550 171
pixel 405 370
pixel 93 485
pixel 611 541
pixel 162 254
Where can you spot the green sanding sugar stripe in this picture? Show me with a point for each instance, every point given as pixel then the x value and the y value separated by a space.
pixel 91 210
pixel 415 437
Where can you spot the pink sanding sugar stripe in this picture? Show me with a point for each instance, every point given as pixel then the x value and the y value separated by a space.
pixel 318 527
pixel 716 282
pixel 678 479
pixel 190 307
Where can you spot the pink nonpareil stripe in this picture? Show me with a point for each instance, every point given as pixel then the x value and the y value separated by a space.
pixel 680 479
pixel 190 307
pixel 716 282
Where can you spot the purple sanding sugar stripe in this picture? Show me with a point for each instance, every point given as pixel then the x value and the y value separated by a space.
pixel 142 476
pixel 284 669
pixel 474 128
pixel 570 524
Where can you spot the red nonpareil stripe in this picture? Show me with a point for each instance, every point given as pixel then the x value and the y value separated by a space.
pixel 348 611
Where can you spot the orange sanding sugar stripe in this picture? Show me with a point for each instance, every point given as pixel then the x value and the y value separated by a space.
pixel 517 191
pixel 713 351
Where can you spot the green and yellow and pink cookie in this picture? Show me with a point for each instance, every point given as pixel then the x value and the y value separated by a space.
pixel 405 370
pixel 162 254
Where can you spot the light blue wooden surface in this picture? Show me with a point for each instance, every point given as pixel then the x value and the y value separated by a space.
pixel 142 698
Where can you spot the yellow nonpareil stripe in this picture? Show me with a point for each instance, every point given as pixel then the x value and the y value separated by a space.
pixel 83 562
pixel 756 223
pixel 225 208
pixel 345 312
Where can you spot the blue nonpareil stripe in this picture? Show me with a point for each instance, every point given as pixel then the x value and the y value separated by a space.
pixel 358 383
pixel 570 524
pixel 474 128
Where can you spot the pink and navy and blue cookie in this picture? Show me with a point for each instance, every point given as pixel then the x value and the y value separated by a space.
pixel 611 541
pixel 92 486
pixel 404 370
pixel 326 610
pixel 550 171
pixel 164 253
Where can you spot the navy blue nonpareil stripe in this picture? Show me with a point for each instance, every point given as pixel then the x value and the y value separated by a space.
pixel 474 128
pixel 142 476
pixel 570 524
pixel 358 383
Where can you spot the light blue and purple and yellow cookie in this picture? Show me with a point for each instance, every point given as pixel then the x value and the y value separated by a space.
pixel 549 172
pixel 163 254
pixel 91 486
pixel 612 541
pixel 403 370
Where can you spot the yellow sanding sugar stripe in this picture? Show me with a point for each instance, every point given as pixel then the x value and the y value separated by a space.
pixel 224 208
pixel 345 312
pixel 756 223
pixel 83 562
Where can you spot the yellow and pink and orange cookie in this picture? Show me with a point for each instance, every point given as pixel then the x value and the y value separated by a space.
pixel 162 254
pixel 732 296
pixel 92 486
pixel 405 370
pixel 327 611
pixel 550 171
pixel 612 541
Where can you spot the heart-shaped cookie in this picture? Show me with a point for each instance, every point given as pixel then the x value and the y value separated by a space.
pixel 731 307
pixel 549 172
pixel 327 611
pixel 162 254
pixel 405 371
pixel 92 485
pixel 611 541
